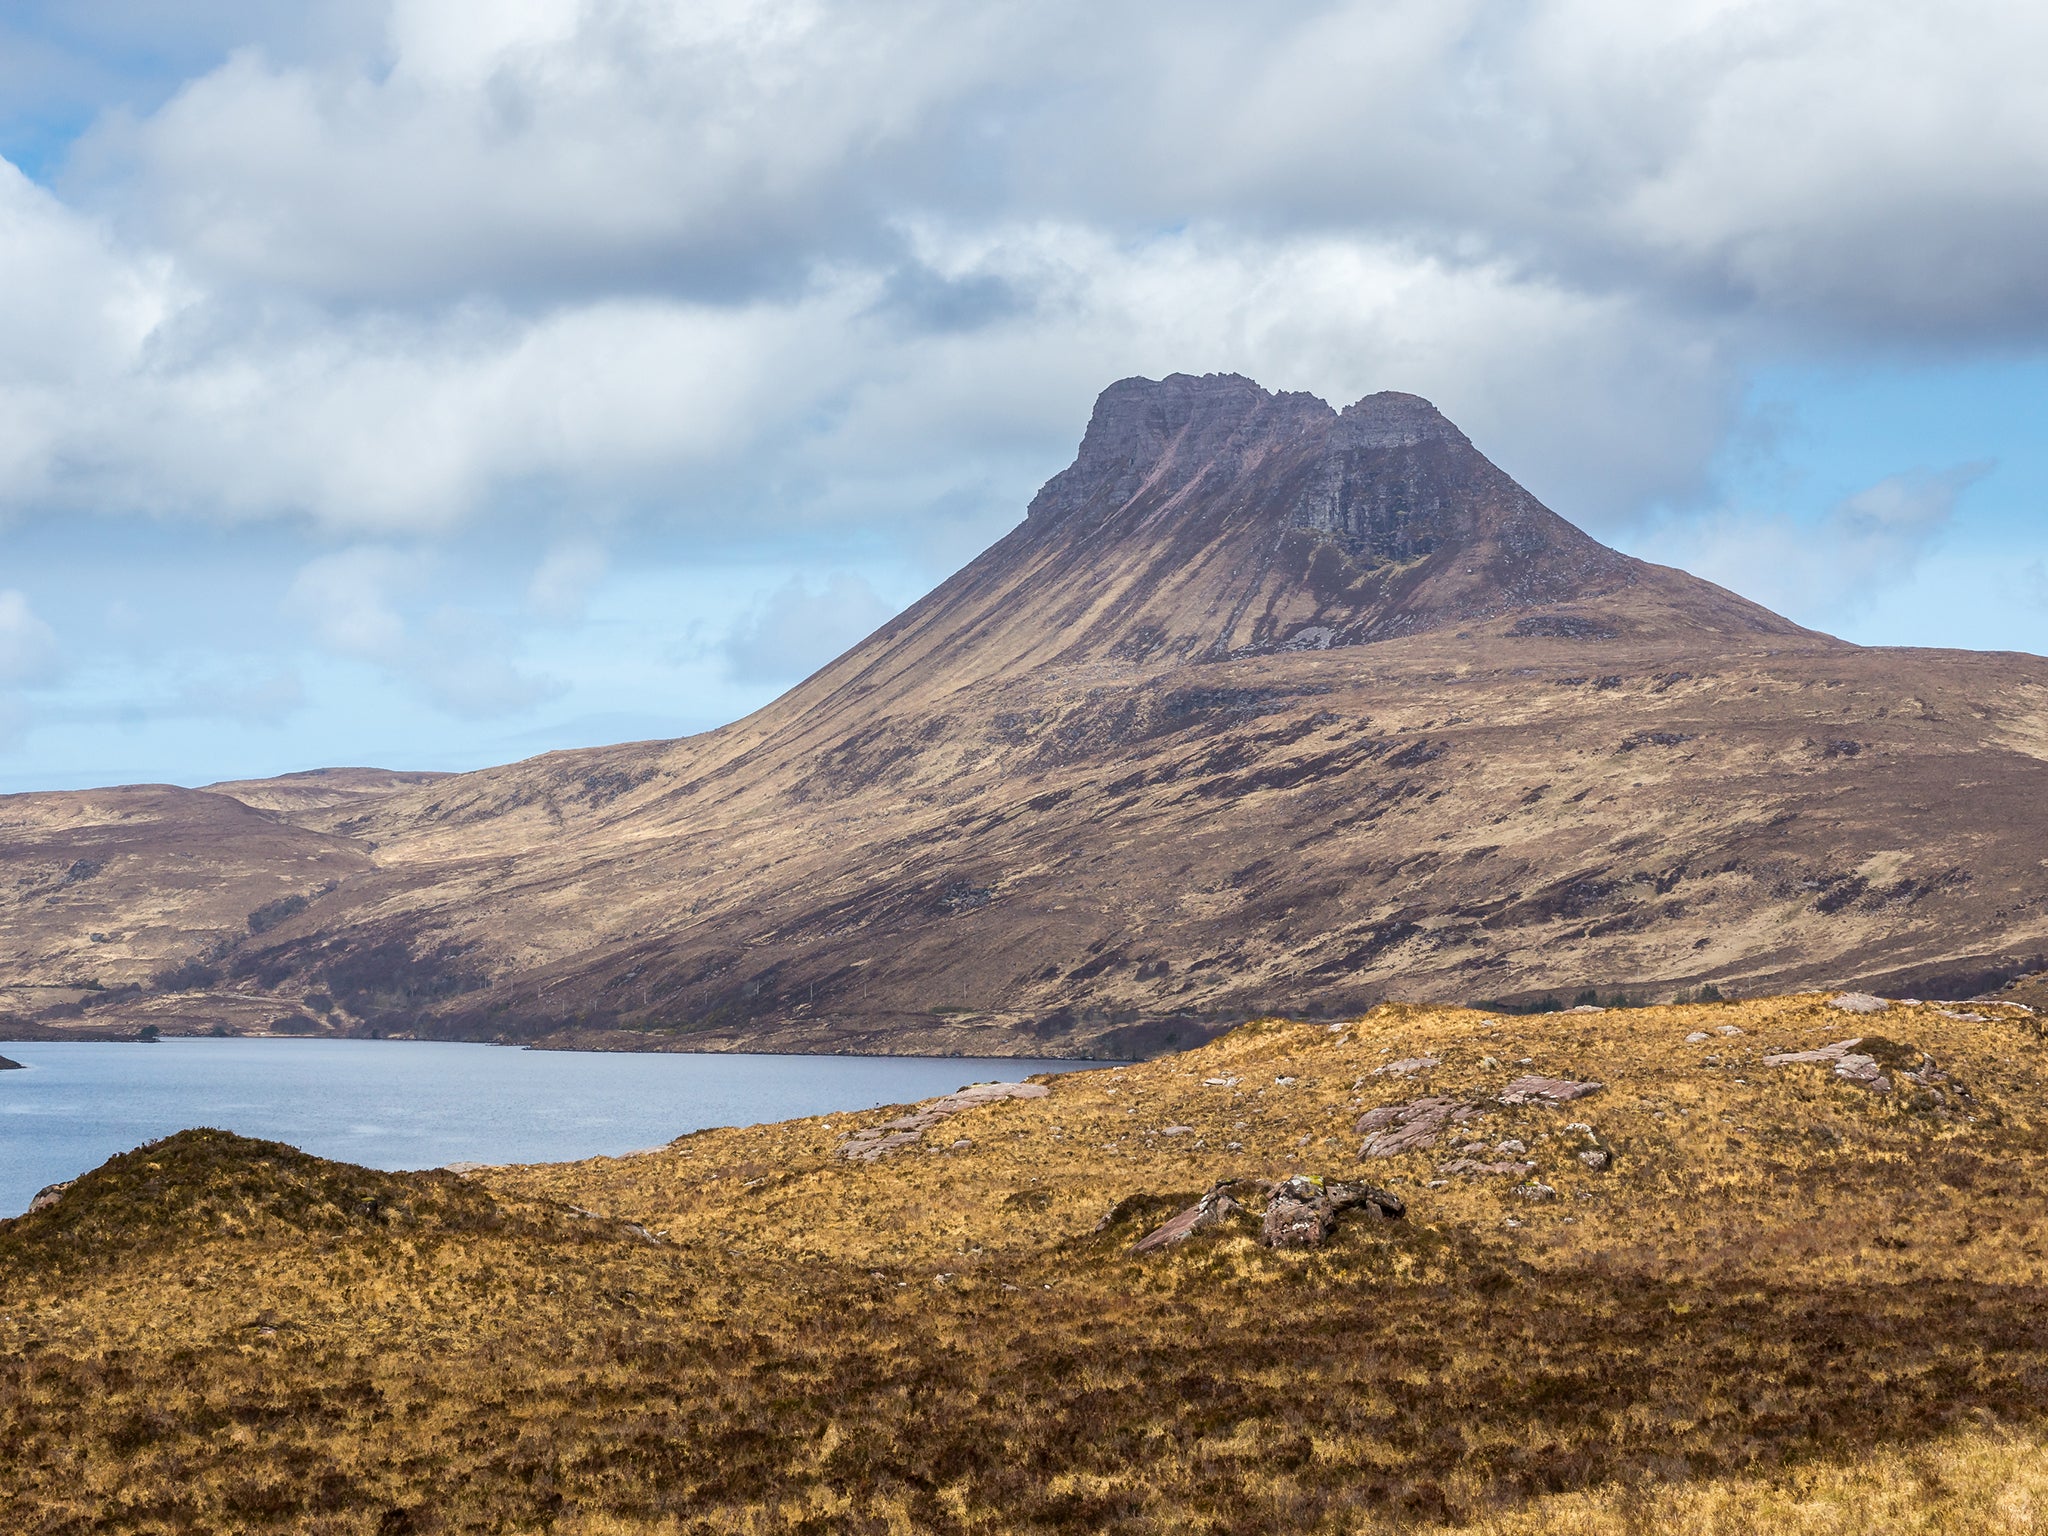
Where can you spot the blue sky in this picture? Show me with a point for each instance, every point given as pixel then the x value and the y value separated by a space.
pixel 430 385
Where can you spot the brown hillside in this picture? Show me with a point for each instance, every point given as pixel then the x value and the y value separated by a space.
pixel 1263 706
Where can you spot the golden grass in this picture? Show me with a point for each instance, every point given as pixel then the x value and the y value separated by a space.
pixel 1790 1305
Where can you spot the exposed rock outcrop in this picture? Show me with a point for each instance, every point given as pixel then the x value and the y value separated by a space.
pixel 1213 1210
pixel 1412 1127
pixel 908 1130
pixel 1546 1090
pixel 1301 1212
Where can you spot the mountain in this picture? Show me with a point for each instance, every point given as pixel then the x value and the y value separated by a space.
pixel 1263 706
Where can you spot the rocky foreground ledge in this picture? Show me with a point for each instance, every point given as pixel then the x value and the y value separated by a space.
pixel 1681 1269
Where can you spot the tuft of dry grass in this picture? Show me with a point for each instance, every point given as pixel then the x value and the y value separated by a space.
pixel 1787 1304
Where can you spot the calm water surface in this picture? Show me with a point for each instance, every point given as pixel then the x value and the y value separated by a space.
pixel 420 1104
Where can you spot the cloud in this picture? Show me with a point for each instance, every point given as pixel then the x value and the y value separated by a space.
pixel 654 260
pixel 263 698
pixel 798 627
pixel 1822 160
pixel 1824 571
pixel 374 604
pixel 29 654
pixel 561 585
pixel 29 658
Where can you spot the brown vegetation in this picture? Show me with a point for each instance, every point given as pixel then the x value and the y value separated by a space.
pixel 1788 1302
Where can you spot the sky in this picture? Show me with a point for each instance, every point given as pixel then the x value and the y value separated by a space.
pixel 428 384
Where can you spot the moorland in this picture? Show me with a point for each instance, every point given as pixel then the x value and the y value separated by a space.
pixel 1645 1277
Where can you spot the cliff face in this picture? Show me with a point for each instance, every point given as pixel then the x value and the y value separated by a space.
pixel 1262 705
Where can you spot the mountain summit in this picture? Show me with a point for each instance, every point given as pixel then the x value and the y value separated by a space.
pixel 1262 706
pixel 1207 518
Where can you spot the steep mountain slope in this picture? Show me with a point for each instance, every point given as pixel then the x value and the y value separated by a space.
pixel 1263 705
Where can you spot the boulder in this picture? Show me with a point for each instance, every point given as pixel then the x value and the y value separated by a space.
pixel 1407 1066
pixel 49 1194
pixel 1599 1159
pixel 1413 1127
pixel 1293 1224
pixel 1828 1054
pixel 1546 1090
pixel 1850 1064
pixel 1302 1212
pixel 1858 1002
pixel 1864 1072
pixel 1212 1210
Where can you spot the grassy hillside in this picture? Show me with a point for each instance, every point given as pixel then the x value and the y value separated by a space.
pixel 1790 1302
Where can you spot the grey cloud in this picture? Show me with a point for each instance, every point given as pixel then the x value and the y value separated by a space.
pixel 1819 160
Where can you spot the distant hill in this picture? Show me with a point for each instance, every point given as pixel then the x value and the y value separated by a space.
pixel 1264 706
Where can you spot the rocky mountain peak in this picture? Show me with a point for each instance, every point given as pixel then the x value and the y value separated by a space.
pixel 1143 430
pixel 1391 419
pixel 1208 519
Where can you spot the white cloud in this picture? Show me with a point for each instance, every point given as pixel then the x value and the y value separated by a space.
pixel 560 587
pixel 29 654
pixel 374 604
pixel 630 255
pixel 1877 166
pixel 347 599
pixel 1827 571
pixel 800 626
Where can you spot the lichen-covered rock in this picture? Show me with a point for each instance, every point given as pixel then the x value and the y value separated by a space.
pixel 1858 1002
pixel 1864 1072
pixel 1599 1159
pixel 1302 1212
pixel 49 1194
pixel 1828 1054
pixel 1293 1223
pixel 866 1146
pixel 1850 1064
